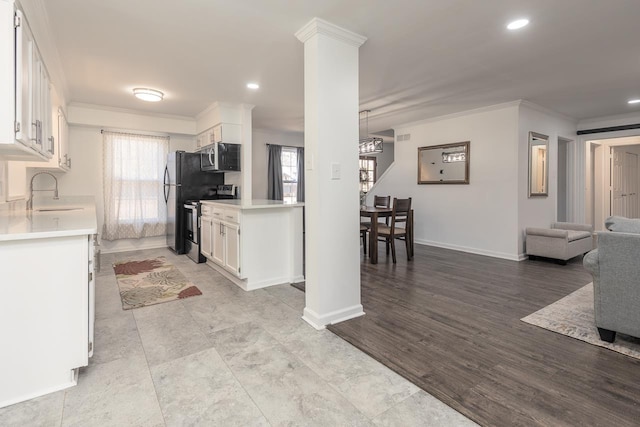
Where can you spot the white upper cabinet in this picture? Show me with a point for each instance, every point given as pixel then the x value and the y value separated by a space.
pixel 227 132
pixel 25 109
pixel 223 132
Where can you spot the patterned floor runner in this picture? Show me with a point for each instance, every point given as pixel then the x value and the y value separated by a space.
pixel 151 281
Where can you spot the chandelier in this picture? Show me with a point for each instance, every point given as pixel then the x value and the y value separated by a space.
pixel 368 144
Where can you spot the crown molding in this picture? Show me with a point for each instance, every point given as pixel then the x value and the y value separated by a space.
pixel 484 109
pixel 128 111
pixel 547 111
pixel 320 26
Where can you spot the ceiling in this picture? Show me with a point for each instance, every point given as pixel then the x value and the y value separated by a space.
pixel 422 59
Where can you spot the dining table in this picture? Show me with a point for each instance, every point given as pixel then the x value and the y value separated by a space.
pixel 374 213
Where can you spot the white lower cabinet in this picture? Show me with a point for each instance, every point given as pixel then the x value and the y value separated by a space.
pixel 254 245
pixel 220 240
pixel 217 242
pixel 206 247
pixel 231 239
pixel 47 314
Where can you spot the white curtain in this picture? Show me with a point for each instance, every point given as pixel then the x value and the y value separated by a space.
pixel 133 188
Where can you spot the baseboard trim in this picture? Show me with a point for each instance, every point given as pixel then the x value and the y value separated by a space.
pixel 132 248
pixel 247 285
pixel 477 251
pixel 321 321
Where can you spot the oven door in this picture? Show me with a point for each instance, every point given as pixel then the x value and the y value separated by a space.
pixel 191 223
pixel 192 233
pixel 209 158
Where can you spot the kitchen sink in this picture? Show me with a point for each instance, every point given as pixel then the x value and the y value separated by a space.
pixel 58 209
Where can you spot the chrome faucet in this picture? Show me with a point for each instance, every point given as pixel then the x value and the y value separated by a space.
pixel 55 190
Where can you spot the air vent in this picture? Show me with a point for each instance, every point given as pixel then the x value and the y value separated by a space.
pixel 404 137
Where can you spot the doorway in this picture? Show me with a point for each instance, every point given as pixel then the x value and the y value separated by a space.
pixel 616 181
pixel 563 180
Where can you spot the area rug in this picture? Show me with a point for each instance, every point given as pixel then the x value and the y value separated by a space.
pixel 151 281
pixel 573 316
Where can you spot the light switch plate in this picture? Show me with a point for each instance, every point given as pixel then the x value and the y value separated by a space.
pixel 308 162
pixel 335 170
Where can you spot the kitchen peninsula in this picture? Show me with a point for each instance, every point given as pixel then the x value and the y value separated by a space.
pixel 256 243
pixel 47 304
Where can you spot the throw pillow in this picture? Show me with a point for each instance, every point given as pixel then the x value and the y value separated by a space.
pixel 622 224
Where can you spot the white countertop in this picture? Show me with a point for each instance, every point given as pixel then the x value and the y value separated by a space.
pixel 39 224
pixel 253 204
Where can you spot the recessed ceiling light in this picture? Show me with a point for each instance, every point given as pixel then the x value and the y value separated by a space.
pixel 517 24
pixel 253 85
pixel 150 95
pixel 634 101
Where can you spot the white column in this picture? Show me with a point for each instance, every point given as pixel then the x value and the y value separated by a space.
pixel 246 151
pixel 331 173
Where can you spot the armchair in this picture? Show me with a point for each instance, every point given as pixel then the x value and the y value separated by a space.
pixel 615 268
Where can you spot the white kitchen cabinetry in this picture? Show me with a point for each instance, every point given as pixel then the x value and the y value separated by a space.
pixel 231 234
pixel 60 160
pixel 25 124
pixel 204 138
pixel 46 313
pixel 206 226
pixel 227 132
pixel 255 245
pixel 223 132
pixel 220 237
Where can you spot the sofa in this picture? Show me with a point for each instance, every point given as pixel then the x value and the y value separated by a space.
pixel 615 267
pixel 563 241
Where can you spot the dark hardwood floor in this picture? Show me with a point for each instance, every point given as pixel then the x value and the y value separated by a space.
pixel 450 322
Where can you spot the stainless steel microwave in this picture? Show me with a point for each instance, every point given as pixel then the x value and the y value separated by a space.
pixel 220 157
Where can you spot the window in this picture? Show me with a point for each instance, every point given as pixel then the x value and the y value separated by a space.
pixel 134 205
pixel 367 173
pixel 289 174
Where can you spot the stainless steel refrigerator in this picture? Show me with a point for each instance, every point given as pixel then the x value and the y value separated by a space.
pixel 184 181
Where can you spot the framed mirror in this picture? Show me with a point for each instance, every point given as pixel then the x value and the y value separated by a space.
pixel 538 164
pixel 444 164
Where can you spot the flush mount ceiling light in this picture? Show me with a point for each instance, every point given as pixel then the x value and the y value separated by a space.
pixel 253 86
pixel 634 101
pixel 368 144
pixel 150 95
pixel 517 24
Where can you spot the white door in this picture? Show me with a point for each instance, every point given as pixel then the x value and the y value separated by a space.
pixel 232 247
pixel 631 184
pixel 618 196
pixel 217 242
pixel 205 237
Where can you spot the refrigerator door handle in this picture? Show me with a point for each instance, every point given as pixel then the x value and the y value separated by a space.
pixel 166 186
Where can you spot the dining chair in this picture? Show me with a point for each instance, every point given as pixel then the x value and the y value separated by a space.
pixel 363 233
pixel 400 227
pixel 379 202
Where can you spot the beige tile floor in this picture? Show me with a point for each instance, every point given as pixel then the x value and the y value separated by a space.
pixel 225 358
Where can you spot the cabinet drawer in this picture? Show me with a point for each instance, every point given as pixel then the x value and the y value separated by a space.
pixel 231 215
pixel 218 213
pixel 207 210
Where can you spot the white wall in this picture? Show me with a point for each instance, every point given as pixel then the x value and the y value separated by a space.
pixel 86 178
pixel 262 137
pixel 480 217
pixel 85 146
pixel 539 211
pixel 384 159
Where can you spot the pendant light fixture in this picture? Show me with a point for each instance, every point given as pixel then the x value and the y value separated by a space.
pixel 368 144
